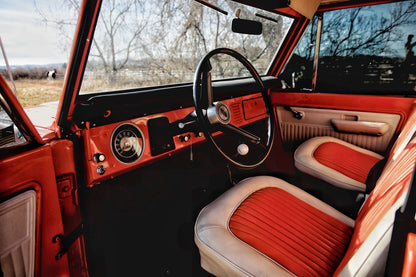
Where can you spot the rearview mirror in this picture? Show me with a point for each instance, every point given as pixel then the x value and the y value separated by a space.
pixel 245 26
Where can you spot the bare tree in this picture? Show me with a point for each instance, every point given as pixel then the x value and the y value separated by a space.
pixel 62 15
pixel 362 31
pixel 162 41
pixel 123 22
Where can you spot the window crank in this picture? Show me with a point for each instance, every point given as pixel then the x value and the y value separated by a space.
pixel 296 114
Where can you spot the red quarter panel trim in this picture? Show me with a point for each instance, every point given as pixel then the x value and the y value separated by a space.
pixel 345 160
pixel 391 185
pixel 302 239
pixel 409 268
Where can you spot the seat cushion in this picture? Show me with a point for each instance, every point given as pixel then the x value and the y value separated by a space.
pixel 335 161
pixel 264 226
pixel 304 240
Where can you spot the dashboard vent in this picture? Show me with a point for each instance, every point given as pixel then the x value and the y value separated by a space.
pixel 236 113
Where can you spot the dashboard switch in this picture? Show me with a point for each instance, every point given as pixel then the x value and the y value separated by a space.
pixel 100 170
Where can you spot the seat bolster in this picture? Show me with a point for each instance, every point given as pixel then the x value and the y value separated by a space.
pixel 236 252
pixel 371 257
pixel 212 234
pixel 306 162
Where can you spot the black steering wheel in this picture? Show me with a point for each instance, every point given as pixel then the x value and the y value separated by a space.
pixel 246 149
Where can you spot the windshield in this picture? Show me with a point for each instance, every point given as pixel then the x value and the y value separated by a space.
pixel 159 42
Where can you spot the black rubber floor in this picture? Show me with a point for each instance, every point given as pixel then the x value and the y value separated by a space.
pixel 141 223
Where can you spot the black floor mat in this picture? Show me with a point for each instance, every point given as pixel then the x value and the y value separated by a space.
pixel 141 223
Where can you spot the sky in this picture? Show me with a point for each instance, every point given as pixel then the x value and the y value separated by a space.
pixel 26 39
pixel 30 41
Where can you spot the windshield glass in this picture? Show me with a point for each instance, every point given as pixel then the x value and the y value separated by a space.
pixel 159 42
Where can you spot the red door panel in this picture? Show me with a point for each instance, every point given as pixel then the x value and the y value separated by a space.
pixel 34 170
pixel 366 103
pixel 396 106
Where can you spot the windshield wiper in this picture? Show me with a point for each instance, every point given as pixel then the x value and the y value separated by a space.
pixel 212 6
pixel 266 17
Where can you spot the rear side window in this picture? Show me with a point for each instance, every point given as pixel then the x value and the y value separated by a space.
pixel 365 50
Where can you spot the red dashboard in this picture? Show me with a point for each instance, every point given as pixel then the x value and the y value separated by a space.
pixel 113 149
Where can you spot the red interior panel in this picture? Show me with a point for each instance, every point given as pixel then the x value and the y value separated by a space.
pixel 409 260
pixel 254 108
pixel 382 104
pixel 35 170
pixel 65 171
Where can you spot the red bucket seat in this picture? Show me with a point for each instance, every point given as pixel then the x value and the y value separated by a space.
pixel 265 226
pixel 343 164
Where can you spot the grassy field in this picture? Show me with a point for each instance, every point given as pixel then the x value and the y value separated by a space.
pixel 32 92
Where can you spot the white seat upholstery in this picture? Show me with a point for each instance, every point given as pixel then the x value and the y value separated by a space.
pixel 344 171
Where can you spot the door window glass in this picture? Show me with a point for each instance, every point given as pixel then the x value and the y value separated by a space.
pixel 369 49
pixel 298 72
pixel 365 50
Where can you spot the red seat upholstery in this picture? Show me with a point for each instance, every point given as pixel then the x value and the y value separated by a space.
pixel 335 161
pixel 304 239
pixel 264 226
pixel 351 163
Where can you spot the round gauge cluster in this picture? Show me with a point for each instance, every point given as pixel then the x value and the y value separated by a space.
pixel 127 143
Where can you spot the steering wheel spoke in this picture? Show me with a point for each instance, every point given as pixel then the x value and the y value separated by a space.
pixel 206 87
pixel 239 132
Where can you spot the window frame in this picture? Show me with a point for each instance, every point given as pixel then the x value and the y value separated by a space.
pixel 12 107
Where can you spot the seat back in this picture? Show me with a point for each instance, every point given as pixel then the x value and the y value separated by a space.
pixel 408 131
pixel 368 249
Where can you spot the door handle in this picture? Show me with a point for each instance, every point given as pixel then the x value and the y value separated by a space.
pixel 360 127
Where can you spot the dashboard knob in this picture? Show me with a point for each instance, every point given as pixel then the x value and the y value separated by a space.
pixel 184 138
pixel 100 170
pixel 99 157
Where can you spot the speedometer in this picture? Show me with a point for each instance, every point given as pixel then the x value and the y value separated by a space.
pixel 127 143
